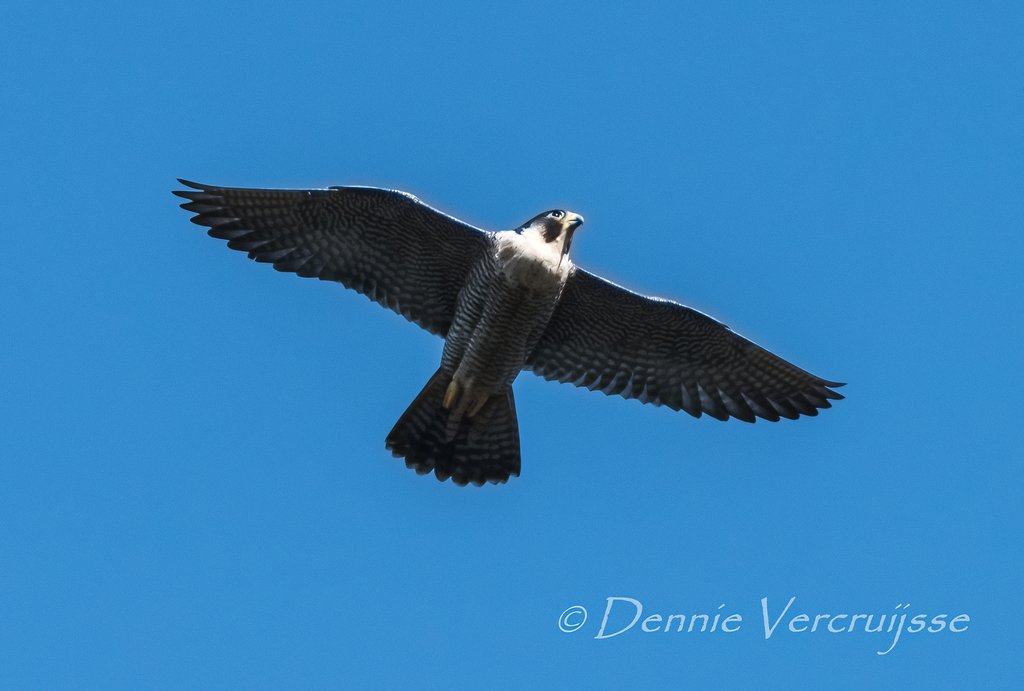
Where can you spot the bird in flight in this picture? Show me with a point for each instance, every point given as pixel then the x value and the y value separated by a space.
pixel 503 301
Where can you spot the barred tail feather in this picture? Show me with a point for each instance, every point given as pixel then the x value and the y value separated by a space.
pixel 485 448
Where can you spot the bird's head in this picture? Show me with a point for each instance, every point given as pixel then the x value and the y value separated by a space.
pixel 556 225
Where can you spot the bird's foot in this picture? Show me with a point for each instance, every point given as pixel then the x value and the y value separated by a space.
pixel 451 395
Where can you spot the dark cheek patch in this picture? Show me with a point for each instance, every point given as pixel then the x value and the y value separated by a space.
pixel 552 229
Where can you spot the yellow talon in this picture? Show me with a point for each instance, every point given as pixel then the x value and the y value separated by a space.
pixel 450 395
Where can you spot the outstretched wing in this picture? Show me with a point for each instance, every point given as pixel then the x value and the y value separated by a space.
pixel 385 244
pixel 606 338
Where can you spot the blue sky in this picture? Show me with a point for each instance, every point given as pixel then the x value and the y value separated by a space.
pixel 193 486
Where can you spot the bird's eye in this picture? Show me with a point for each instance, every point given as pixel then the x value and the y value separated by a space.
pixel 556 214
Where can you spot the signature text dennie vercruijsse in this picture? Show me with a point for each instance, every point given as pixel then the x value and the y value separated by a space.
pixel 626 614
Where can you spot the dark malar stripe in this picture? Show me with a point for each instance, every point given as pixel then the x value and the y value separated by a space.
pixel 552 230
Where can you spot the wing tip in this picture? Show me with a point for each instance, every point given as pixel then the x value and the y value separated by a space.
pixel 197 192
pixel 824 388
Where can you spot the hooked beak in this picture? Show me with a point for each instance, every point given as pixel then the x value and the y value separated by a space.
pixel 574 221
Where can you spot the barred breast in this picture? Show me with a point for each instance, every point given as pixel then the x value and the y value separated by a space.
pixel 501 312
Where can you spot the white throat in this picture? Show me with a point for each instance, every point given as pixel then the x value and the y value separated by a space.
pixel 526 258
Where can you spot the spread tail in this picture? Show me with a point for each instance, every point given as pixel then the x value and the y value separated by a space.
pixel 482 448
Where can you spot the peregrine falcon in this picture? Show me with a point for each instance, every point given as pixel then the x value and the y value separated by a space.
pixel 503 301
